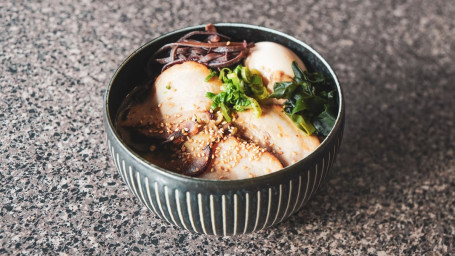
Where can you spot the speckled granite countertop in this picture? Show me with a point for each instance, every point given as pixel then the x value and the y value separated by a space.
pixel 392 189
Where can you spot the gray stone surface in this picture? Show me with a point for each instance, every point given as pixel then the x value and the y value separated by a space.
pixel 392 190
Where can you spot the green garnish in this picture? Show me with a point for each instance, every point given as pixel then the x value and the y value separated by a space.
pixel 309 101
pixel 212 74
pixel 243 88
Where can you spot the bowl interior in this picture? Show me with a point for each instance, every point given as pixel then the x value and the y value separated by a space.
pixel 137 70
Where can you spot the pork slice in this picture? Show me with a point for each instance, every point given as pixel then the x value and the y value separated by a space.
pixel 234 159
pixel 177 96
pixel 275 131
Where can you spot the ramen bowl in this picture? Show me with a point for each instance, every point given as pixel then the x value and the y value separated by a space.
pixel 219 207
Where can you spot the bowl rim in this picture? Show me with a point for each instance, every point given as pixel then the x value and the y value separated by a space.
pixel 267 177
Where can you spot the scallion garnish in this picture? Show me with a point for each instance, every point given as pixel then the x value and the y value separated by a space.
pixel 243 88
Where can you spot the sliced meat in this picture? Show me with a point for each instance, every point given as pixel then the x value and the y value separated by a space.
pixel 275 131
pixel 190 157
pixel 197 152
pixel 191 154
pixel 237 159
pixel 183 88
pixel 178 95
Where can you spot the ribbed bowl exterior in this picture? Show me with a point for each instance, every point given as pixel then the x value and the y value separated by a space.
pixel 222 208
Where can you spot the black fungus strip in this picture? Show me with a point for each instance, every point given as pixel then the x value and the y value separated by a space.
pixel 212 51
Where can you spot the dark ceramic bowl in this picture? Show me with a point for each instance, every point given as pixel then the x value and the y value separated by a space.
pixel 219 207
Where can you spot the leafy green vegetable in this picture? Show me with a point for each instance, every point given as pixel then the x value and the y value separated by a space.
pixel 309 103
pixel 243 88
pixel 324 122
pixel 283 90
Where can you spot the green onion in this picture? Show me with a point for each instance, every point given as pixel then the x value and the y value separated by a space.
pixel 241 90
pixel 212 74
